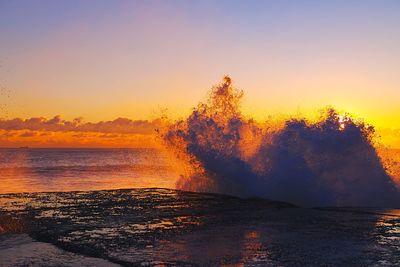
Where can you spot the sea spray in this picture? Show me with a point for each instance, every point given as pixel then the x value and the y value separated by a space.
pixel 331 162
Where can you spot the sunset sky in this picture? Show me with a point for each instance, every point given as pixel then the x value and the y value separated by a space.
pixel 130 59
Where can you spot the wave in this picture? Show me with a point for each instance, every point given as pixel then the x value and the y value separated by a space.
pixel 330 162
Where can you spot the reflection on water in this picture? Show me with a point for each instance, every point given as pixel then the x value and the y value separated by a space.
pixel 148 227
pixel 225 245
pixel 44 170
pixel 395 212
pixel 387 232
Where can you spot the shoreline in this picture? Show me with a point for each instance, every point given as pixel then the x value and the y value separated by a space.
pixel 172 227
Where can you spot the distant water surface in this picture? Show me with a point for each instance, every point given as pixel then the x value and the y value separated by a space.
pixel 43 170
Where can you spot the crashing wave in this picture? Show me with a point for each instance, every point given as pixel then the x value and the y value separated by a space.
pixel 331 162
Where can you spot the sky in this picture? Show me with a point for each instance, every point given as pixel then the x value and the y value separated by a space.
pixel 102 60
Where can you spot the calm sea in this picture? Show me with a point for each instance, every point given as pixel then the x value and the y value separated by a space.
pixel 44 170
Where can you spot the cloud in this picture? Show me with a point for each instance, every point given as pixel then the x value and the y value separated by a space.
pixel 31 138
pixel 28 134
pixel 57 124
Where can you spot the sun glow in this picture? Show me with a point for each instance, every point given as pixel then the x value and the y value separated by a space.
pixel 342 121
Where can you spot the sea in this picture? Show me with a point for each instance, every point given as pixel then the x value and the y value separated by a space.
pixel 50 170
pixel 119 207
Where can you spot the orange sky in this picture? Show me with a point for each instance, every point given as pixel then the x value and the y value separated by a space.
pixel 58 132
pixel 131 59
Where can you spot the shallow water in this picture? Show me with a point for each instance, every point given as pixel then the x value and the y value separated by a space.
pixel 44 170
pixel 22 250
pixel 163 227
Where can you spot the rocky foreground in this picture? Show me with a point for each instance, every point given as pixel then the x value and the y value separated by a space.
pixel 148 227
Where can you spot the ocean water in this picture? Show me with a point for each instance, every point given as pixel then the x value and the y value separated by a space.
pixel 46 170
pixel 167 227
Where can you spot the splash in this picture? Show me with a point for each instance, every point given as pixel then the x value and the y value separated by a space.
pixel 331 162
